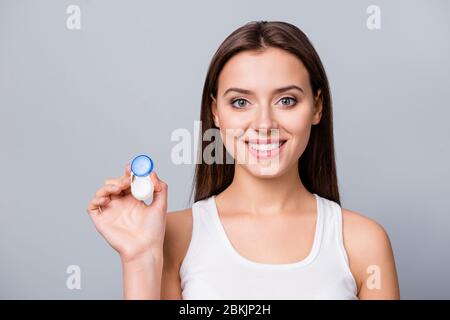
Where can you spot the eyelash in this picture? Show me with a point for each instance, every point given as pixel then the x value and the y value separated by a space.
pixel 239 99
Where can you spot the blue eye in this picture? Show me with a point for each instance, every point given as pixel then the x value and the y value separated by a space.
pixel 288 101
pixel 241 103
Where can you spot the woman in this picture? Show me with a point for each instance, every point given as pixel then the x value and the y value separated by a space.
pixel 269 224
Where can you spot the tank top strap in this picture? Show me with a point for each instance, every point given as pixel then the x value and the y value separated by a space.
pixel 203 233
pixel 333 240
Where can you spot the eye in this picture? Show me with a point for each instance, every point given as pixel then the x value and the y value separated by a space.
pixel 239 103
pixel 288 101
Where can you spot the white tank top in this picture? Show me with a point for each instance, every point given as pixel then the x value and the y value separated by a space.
pixel 213 269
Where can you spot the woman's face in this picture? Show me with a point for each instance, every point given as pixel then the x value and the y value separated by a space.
pixel 265 108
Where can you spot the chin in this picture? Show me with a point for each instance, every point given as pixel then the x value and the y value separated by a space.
pixel 264 171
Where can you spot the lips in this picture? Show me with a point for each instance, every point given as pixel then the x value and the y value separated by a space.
pixel 265 141
pixel 264 148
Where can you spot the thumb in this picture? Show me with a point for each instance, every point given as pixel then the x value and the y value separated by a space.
pixel 160 192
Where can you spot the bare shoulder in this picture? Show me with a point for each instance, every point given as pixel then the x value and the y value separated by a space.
pixel 358 229
pixel 364 238
pixel 369 248
pixel 177 236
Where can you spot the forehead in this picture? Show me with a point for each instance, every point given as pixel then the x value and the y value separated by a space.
pixel 261 71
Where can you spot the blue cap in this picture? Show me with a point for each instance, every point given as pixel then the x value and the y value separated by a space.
pixel 142 165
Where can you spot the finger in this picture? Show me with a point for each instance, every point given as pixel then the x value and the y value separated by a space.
pixel 124 182
pixel 156 181
pixel 160 192
pixel 107 190
pixel 112 181
pixel 125 186
pixel 117 182
pixel 96 203
pixel 127 171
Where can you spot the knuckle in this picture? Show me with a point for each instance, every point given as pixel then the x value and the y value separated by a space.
pixel 109 181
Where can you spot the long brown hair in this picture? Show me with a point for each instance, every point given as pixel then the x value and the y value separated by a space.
pixel 316 165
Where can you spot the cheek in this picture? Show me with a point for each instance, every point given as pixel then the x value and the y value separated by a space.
pixel 233 120
pixel 232 127
pixel 298 126
pixel 296 121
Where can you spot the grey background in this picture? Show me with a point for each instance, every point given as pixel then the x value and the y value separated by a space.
pixel 76 106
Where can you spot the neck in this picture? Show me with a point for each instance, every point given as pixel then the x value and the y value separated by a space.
pixel 268 195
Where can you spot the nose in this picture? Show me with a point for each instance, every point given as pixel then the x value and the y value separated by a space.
pixel 264 118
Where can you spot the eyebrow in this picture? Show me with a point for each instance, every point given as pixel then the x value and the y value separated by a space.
pixel 278 90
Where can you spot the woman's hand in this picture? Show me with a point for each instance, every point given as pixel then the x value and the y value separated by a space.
pixel 131 227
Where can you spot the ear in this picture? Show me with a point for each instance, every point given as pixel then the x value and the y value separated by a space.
pixel 317 107
pixel 214 112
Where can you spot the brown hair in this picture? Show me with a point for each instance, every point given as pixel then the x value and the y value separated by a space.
pixel 316 165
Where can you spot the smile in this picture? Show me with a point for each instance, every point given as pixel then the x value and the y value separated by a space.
pixel 266 149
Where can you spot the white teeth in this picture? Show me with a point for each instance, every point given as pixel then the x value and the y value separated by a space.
pixel 265 147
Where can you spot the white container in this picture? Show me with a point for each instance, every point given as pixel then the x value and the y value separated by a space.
pixel 142 188
pixel 141 185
